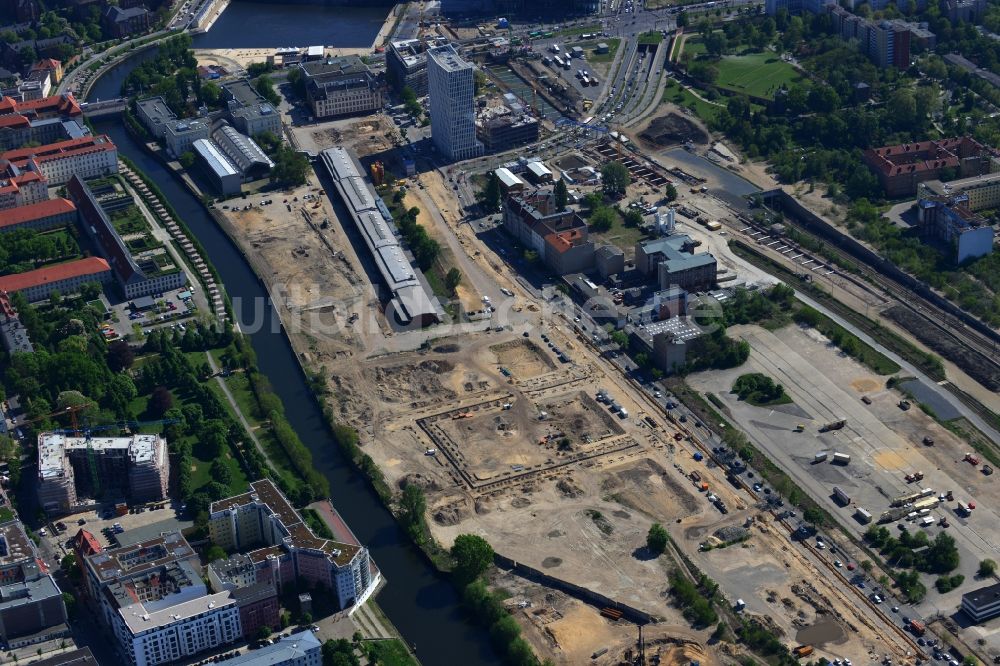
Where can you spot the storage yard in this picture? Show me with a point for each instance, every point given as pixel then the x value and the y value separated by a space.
pixel 890 461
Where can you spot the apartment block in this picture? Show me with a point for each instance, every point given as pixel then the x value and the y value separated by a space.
pixel 139 274
pixel 71 468
pixel 263 522
pixel 900 169
pixel 968 11
pixel 406 63
pixel 254 588
pixel 40 216
pixel 451 86
pixel 561 238
pixel 153 599
pixel 87 157
pixel 980 192
pixel 66 278
pixel 949 220
pixel 887 43
pixel 31 605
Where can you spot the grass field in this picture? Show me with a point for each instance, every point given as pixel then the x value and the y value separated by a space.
pixel 758 74
pixel 677 94
pixel 592 56
pixel 652 37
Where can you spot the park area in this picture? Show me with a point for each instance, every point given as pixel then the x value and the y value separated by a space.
pixel 755 74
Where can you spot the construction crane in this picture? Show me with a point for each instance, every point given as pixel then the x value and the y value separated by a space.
pixel 88 430
pixel 70 411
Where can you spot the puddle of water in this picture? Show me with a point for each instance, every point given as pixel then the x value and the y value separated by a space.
pixel 821 633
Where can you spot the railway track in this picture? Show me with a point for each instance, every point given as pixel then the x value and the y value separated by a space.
pixel 887 288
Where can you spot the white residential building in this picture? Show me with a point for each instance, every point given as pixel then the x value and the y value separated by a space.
pixel 452 87
pixel 87 157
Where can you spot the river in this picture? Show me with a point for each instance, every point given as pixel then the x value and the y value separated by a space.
pixel 289 24
pixel 422 603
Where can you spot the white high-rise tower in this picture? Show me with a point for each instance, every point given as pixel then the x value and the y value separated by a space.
pixel 452 87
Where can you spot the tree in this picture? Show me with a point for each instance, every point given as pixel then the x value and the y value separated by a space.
pixel 656 539
pixel 120 356
pixel 186 159
pixel 473 555
pixel 265 87
pixel 71 608
pixel 492 193
pixel 633 218
pixel 867 566
pixel 221 472
pixel 290 167
pixel 987 568
pixel 215 553
pixel 602 219
pixel 452 279
pixel 160 401
pixel 682 20
pixel 339 652
pixel 813 515
pixel 263 633
pixel 414 504
pixel 615 179
pixel 562 195
pixel 670 192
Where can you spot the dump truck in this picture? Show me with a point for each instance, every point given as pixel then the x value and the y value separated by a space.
pixel 833 425
pixel 841 459
pixel 802 651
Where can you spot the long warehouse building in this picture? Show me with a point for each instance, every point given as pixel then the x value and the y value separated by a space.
pixel 410 299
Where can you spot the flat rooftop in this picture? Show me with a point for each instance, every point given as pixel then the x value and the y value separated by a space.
pixel 447 58
pixel 138 621
pixel 52 447
pixel 682 328
pixel 146 555
pixel 15 546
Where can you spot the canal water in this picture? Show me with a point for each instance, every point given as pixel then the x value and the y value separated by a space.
pixel 422 604
pixel 272 24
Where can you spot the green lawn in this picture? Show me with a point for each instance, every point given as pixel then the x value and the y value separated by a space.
pixel 200 475
pixel 758 74
pixel 619 235
pixel 694 46
pixel 678 94
pixel 652 37
pixel 389 653
pixel 594 57
pixel 571 32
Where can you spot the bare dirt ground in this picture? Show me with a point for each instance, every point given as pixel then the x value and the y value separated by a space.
pixel 670 130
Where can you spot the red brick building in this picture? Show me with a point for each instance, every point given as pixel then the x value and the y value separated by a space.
pixel 900 169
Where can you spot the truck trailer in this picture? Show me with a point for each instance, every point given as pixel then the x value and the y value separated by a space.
pixel 863 516
pixel 841 459
pixel 841 496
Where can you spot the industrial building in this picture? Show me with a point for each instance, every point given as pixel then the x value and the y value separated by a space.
pixel 982 604
pixel 341 86
pixel 150 271
pixel 224 175
pixel 411 301
pixel 560 237
pixel 40 216
pixel 31 605
pixel 671 260
pixel 901 168
pixel 87 157
pixel 509 183
pixel 156 604
pixel 451 86
pixel 503 127
pixel 949 220
pixel 66 278
pixel 71 468
pixel 243 153
pixel 283 548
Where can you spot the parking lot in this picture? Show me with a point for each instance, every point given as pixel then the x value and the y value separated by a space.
pixel 112 530
pixel 172 309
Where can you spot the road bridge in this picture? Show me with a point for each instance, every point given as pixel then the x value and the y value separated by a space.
pixel 109 107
